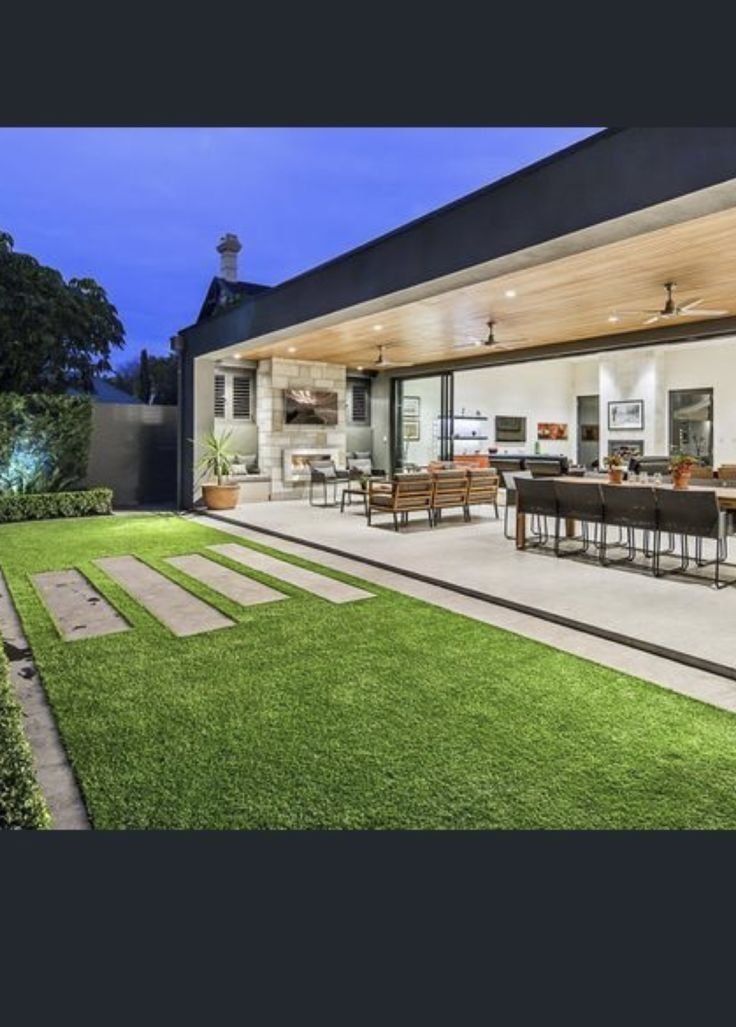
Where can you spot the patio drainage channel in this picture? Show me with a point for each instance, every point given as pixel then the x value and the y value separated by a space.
pixel 664 652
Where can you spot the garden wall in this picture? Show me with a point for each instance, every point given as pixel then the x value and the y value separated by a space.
pixel 133 451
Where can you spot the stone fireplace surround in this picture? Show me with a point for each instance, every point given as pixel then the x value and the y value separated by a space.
pixel 275 437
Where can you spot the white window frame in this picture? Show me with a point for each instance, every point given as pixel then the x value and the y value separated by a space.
pixel 230 374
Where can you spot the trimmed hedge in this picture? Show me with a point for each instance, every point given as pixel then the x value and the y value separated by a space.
pixel 21 803
pixel 45 505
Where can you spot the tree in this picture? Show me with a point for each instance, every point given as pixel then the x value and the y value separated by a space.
pixel 144 378
pixel 162 378
pixel 53 334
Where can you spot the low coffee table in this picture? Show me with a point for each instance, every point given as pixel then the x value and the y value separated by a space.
pixel 359 487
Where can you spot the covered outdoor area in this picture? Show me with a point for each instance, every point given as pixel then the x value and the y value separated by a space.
pixel 678 615
pixel 578 312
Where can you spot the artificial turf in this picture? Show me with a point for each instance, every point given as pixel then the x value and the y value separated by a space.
pixel 386 713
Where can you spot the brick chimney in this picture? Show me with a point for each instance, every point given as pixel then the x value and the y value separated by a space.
pixel 229 247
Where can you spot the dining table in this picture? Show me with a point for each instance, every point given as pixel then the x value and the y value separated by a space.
pixel 726 497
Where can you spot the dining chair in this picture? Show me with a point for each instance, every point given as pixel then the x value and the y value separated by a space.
pixel 579 502
pixel 633 509
pixel 693 514
pixel 536 496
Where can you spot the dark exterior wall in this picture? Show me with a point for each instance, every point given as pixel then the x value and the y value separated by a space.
pixel 133 451
pixel 614 173
pixel 185 451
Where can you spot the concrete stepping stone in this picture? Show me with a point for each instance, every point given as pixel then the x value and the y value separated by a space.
pixel 78 609
pixel 310 581
pixel 229 583
pixel 179 610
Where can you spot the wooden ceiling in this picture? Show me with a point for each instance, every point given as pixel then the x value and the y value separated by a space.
pixel 566 299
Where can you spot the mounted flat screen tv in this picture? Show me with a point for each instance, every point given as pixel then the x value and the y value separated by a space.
pixel 310 406
pixel 510 429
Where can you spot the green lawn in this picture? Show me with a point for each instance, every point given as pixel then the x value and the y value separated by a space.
pixel 388 713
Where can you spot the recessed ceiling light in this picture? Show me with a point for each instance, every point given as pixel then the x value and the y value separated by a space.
pixel 237 355
pixel 510 293
pixel 377 328
pixel 477 343
pixel 613 318
pixel 359 367
pixel 291 349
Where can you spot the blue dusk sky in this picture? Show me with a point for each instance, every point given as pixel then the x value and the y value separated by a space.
pixel 141 209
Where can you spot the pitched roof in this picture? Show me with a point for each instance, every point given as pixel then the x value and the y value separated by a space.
pixel 223 295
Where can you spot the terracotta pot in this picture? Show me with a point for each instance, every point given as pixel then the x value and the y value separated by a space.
pixel 220 497
pixel 615 475
pixel 681 479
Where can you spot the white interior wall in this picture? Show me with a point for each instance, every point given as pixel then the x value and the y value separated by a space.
pixel 548 391
pixel 542 391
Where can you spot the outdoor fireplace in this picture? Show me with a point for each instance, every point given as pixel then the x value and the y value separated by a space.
pixel 296 461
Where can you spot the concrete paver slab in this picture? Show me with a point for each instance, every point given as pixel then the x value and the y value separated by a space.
pixel 77 607
pixel 181 612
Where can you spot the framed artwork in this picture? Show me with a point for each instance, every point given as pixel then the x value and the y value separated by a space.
pixel 411 406
pixel 411 430
pixel 551 430
pixel 589 433
pixel 510 429
pixel 626 415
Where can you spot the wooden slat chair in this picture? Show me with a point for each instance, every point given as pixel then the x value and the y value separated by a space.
pixel 408 493
pixel 450 489
pixel 482 488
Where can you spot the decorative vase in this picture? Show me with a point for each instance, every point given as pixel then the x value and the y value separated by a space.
pixel 681 478
pixel 615 475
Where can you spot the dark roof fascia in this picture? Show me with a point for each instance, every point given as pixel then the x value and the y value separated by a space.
pixel 608 175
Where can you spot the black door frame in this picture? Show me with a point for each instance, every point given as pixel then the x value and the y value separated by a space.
pixel 447 401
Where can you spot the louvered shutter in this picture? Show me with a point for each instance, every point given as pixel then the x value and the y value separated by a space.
pixel 242 396
pixel 360 397
pixel 219 395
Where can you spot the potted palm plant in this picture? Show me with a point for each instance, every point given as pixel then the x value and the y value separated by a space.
pixel 681 466
pixel 217 461
pixel 615 465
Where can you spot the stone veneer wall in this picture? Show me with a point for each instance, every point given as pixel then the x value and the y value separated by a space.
pixel 273 376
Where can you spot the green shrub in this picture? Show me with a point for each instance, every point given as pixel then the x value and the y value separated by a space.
pixel 44 438
pixel 21 802
pixel 46 505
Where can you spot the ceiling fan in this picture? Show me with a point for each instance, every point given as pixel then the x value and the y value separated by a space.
pixel 490 339
pixel 673 309
pixel 383 362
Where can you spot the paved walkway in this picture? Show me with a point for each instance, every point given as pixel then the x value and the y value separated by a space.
pixel 709 688
pixel 53 771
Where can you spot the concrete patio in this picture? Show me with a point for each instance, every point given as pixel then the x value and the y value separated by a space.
pixel 678 614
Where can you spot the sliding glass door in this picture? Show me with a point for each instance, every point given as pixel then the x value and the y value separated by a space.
pixel 422 420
